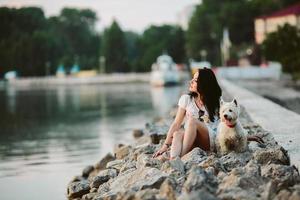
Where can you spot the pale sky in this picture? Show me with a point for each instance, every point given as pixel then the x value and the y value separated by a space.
pixel 133 15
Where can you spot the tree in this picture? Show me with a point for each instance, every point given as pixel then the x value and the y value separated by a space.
pixel 284 46
pixel 161 39
pixel 114 49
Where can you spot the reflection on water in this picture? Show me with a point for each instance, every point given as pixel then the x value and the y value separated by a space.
pixel 48 135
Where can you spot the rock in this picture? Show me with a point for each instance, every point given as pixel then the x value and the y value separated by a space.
pixel 296 194
pixel 103 177
pixel 137 133
pixel 239 177
pixel 284 175
pixel 147 194
pixel 146 160
pixel 89 196
pixel 104 188
pixel 87 170
pixel 213 161
pixel 102 163
pixel 173 167
pixel 238 193
pixel 143 140
pixel 138 179
pixel 198 179
pixel 77 189
pixel 277 155
pixel 283 195
pixel 194 157
pixel 106 196
pixel 167 189
pixel 128 166
pixel 76 179
pixel 122 151
pixel 270 191
pixel 144 148
pixel 115 164
pixel 155 138
pixel 233 160
pixel 201 194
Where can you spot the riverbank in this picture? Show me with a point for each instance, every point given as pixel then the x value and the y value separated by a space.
pixel 115 78
pixel 262 172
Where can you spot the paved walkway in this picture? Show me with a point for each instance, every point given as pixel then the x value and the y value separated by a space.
pixel 282 123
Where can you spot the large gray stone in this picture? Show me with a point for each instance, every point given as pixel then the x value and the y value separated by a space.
pixel 238 194
pixel 139 179
pixel 198 179
pixel 201 194
pixel 122 151
pixel 146 160
pixel 102 163
pixel 77 189
pixel 174 167
pixel 103 177
pixel 233 160
pixel 277 155
pixel 194 157
pixel 115 164
pixel 168 189
pixel 87 170
pixel 284 175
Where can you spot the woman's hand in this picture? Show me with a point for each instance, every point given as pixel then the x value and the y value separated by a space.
pixel 255 138
pixel 162 150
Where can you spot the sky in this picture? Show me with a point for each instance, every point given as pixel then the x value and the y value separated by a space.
pixel 135 15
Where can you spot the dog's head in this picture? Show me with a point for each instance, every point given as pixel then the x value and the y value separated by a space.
pixel 229 112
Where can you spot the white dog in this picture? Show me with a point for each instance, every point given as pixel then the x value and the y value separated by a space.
pixel 230 135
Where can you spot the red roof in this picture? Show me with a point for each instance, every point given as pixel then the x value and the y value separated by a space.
pixel 291 10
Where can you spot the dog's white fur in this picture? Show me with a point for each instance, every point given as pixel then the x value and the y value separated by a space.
pixel 230 139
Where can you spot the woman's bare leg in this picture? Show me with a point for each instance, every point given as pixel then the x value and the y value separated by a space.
pixel 176 144
pixel 196 133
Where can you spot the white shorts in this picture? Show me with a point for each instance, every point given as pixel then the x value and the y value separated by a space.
pixel 212 132
pixel 212 137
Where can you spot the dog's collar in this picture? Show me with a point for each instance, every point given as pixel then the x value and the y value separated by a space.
pixel 230 125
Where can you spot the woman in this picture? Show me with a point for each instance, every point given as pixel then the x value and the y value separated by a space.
pixel 199 110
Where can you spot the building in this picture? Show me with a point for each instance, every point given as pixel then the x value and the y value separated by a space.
pixel 270 23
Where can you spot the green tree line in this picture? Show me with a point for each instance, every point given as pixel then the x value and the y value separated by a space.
pixel 34 45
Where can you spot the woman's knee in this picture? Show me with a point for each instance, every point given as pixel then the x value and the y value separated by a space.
pixel 177 134
pixel 191 122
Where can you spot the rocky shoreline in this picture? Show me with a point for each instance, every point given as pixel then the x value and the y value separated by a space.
pixel 262 172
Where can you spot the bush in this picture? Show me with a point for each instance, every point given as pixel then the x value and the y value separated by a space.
pixel 284 46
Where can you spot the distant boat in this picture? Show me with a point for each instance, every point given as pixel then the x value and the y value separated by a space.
pixel 164 72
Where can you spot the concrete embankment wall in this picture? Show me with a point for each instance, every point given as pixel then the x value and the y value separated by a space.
pixel 69 80
pixel 282 123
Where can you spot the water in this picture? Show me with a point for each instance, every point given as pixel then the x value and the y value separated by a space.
pixel 48 135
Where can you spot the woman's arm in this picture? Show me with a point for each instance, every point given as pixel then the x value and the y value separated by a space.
pixel 175 126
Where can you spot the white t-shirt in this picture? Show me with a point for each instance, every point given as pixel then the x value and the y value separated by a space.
pixel 188 103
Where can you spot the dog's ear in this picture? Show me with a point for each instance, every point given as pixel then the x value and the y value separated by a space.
pixel 235 102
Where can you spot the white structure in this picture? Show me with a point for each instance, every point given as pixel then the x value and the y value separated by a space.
pixel 272 71
pixel 164 72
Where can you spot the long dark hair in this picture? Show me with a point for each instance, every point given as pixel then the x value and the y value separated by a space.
pixel 210 91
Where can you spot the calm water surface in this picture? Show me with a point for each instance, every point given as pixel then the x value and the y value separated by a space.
pixel 48 135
